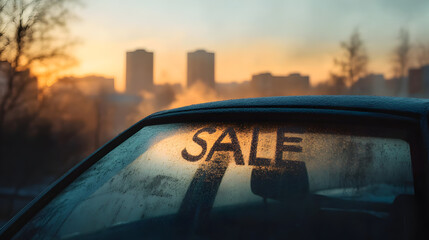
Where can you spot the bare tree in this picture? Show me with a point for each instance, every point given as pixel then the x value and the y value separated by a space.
pixel 353 61
pixel 401 60
pixel 30 38
pixel 32 44
pixel 422 54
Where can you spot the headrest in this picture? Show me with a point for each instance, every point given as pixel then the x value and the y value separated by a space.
pixel 281 183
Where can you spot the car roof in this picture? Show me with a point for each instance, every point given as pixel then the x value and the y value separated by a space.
pixel 392 105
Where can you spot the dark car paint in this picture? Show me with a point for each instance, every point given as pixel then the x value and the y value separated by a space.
pixel 404 113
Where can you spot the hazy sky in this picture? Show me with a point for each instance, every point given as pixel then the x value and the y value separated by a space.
pixel 248 36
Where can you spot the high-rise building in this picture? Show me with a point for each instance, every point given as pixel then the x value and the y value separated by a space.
pixel 371 84
pixel 419 81
pixel 90 85
pixel 201 65
pixel 139 71
pixel 269 85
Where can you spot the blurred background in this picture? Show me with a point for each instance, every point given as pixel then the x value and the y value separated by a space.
pixel 74 74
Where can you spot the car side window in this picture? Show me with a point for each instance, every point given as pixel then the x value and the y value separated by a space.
pixel 192 174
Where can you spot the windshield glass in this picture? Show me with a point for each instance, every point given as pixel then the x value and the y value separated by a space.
pixel 226 180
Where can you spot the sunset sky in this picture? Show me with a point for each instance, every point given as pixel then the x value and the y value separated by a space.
pixel 248 36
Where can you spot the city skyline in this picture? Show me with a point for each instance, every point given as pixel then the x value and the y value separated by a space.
pixel 247 36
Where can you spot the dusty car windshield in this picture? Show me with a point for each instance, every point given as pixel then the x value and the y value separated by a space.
pixel 226 180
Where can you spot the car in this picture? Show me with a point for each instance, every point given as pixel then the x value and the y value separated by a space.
pixel 301 167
